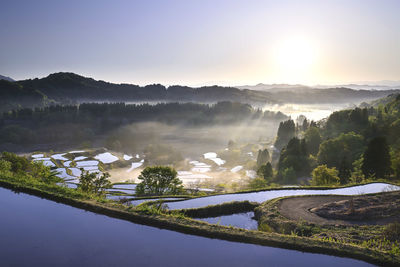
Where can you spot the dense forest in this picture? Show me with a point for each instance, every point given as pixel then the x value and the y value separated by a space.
pixel 349 146
pixel 70 88
pixel 75 124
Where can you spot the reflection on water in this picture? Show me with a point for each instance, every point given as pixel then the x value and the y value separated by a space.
pixel 106 157
pixel 39 232
pixel 124 186
pixel 271 194
pixel 126 191
pixel 139 201
pixel 242 220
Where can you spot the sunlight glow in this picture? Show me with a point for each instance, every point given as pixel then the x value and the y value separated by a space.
pixel 295 59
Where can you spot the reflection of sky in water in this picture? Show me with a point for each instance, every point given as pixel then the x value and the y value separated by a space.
pixel 311 111
pixel 106 157
pixel 124 186
pixel 262 196
pixel 242 220
pixel 66 236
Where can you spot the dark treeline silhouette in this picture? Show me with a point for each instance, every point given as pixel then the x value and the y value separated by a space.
pixel 70 86
pixel 77 123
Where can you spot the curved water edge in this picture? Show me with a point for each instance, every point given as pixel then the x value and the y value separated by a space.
pixel 261 196
pixel 243 220
pixel 62 235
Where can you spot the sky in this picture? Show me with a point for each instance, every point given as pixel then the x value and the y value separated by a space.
pixel 202 42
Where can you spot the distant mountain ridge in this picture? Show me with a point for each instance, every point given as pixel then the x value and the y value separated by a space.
pixel 383 85
pixel 6 78
pixel 63 85
pixel 70 88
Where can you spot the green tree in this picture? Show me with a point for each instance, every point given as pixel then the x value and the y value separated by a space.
pixel 396 165
pixel 5 167
pixel 45 173
pixel 286 132
pixel 11 163
pixel 263 157
pixel 357 175
pixel 344 171
pixel 94 182
pixel 313 140
pixel 332 151
pixel 295 156
pixel 322 175
pixel 377 158
pixel 305 124
pixel 289 176
pixel 159 180
pixel 18 164
pixel 266 171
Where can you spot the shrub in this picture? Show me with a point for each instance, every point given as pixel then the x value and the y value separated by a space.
pixel 257 183
pixel 322 175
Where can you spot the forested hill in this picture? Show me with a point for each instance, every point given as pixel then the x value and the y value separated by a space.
pixel 70 88
pixel 63 86
pixel 14 95
pixel 6 78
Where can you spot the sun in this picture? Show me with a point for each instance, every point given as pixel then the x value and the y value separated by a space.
pixel 295 59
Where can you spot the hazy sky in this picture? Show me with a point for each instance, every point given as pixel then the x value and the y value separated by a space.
pixel 202 42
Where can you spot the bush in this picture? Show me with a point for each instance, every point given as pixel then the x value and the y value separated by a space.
pixel 257 183
pixel 18 164
pixel 322 175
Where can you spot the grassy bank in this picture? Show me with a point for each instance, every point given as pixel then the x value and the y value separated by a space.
pixel 371 237
pixel 189 226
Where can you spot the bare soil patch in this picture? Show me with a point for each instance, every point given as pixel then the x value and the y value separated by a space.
pixel 382 208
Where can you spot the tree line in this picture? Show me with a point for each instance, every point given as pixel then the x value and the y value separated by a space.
pixel 56 123
pixel 351 146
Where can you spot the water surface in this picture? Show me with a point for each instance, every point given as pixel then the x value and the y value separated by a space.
pixel 106 157
pixel 262 196
pixel 39 232
pixel 242 220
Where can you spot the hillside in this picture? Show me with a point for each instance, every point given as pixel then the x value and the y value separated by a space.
pixel 6 78
pixel 70 88
pixel 14 95
pixel 62 86
pixel 297 93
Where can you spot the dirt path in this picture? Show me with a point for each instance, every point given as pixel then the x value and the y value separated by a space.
pixel 298 208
